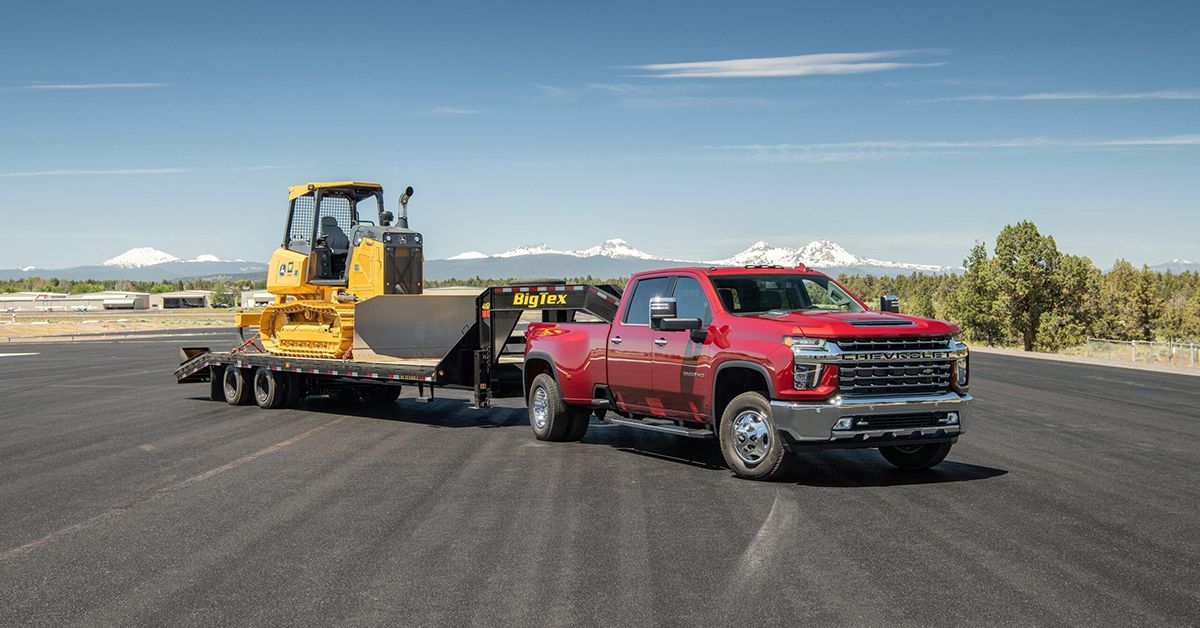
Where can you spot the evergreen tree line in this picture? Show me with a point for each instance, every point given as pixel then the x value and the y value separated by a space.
pixel 1027 293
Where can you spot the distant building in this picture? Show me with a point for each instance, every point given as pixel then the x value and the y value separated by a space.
pixel 86 302
pixel 256 298
pixel 181 299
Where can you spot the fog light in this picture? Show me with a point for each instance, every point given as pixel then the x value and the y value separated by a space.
pixel 846 423
pixel 951 418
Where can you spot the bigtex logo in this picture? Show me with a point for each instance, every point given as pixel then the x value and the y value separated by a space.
pixel 533 300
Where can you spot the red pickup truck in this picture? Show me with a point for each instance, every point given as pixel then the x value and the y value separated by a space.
pixel 768 360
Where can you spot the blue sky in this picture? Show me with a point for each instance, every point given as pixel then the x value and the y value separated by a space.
pixel 905 131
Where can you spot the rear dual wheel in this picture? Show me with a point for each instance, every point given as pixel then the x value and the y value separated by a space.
pixel 550 417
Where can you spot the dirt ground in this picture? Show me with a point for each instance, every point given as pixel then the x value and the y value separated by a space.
pixel 65 325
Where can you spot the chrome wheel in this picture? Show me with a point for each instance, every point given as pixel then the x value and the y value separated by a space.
pixel 751 436
pixel 539 411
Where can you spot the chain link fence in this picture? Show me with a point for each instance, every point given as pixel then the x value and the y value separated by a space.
pixel 1144 351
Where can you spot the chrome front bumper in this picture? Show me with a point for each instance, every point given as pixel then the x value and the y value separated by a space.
pixel 813 423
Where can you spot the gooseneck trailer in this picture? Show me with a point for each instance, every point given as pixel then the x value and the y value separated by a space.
pixel 430 341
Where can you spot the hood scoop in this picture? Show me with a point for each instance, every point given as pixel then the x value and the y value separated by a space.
pixel 881 322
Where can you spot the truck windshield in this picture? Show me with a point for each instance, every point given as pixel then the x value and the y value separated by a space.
pixel 756 294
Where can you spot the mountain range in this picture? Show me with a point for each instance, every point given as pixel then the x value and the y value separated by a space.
pixel 609 259
pixel 618 258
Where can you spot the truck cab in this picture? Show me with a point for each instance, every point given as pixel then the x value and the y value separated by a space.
pixel 769 361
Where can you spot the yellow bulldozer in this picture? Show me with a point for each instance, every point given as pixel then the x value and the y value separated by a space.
pixel 333 259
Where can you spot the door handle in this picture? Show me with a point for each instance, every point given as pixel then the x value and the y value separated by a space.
pixel 616 340
pixel 662 342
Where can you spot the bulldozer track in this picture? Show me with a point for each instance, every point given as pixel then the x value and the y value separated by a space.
pixel 309 329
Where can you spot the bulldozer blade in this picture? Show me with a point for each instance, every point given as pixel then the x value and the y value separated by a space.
pixel 410 326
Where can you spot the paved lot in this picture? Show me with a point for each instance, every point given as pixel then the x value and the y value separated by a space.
pixel 1074 498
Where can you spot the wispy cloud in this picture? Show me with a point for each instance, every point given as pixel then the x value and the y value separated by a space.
pixel 1163 94
pixel 138 171
pixel 798 65
pixel 674 95
pixel 893 149
pixel 451 111
pixel 86 86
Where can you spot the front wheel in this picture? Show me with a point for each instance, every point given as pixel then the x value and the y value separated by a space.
pixel 912 457
pixel 749 441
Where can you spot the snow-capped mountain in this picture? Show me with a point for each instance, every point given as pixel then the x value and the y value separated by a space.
pixel 615 248
pixel 824 254
pixel 529 249
pixel 469 255
pixel 147 264
pixel 139 257
pixel 1177 266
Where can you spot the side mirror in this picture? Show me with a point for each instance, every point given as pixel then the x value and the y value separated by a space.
pixel 889 303
pixel 662 308
pixel 664 316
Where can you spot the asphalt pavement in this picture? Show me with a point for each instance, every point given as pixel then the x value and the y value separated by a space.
pixel 127 499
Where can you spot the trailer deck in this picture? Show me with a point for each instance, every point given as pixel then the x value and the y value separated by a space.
pixel 484 359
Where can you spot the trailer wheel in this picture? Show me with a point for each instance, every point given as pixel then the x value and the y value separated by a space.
pixel 236 386
pixel 294 385
pixel 915 457
pixel 549 416
pixel 269 389
pixel 216 383
pixel 750 443
pixel 385 394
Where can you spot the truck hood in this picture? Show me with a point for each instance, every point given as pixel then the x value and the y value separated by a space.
pixel 822 324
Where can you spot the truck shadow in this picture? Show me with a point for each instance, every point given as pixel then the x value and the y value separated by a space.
pixel 864 468
pixel 850 468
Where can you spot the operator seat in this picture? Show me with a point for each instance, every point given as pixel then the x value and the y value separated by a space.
pixel 335 238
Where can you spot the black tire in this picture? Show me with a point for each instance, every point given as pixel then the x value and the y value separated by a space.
pixel 749 441
pixel 549 416
pixel 385 394
pixel 915 457
pixel 216 383
pixel 270 389
pixel 295 388
pixel 578 426
pixel 236 386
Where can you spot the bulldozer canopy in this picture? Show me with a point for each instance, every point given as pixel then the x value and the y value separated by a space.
pixel 361 189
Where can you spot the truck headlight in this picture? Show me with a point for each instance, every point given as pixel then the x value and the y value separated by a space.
pixel 806 376
pixel 961 372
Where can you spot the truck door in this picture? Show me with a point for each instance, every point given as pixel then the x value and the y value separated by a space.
pixel 630 347
pixel 682 367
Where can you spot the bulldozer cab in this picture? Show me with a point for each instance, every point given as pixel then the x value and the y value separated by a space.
pixel 322 218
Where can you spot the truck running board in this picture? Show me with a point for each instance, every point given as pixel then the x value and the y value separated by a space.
pixel 666 428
